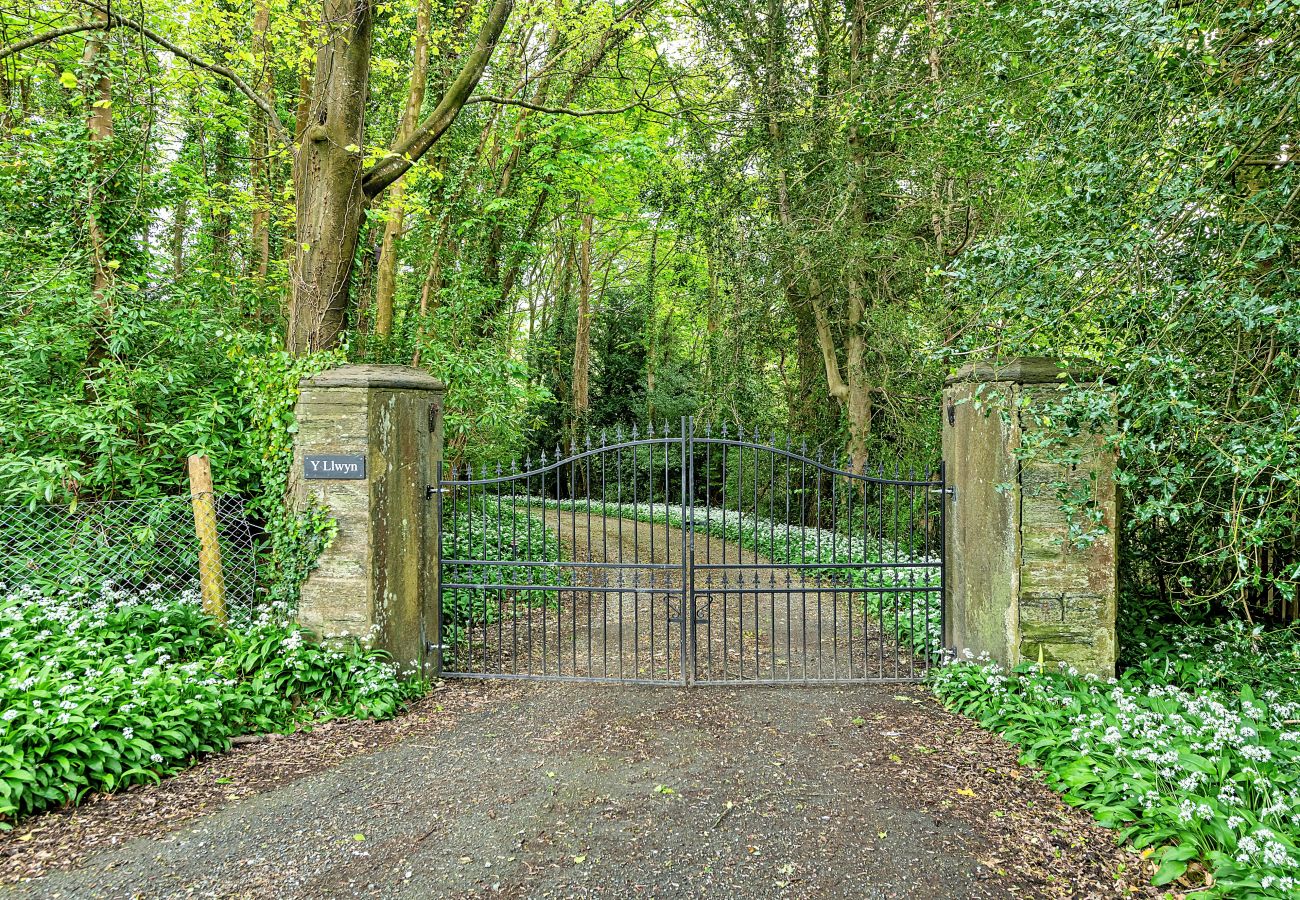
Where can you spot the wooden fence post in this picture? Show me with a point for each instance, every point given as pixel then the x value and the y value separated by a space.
pixel 204 502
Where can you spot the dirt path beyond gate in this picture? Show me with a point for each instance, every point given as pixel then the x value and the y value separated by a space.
pixel 566 790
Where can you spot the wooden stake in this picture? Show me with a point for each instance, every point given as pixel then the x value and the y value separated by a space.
pixel 211 583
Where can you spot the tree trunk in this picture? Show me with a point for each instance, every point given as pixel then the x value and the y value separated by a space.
pixel 582 331
pixel 331 189
pixel 328 197
pixel 259 263
pixel 387 288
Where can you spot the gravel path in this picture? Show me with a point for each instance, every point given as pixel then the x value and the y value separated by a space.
pixel 556 790
pixel 566 790
pixel 754 620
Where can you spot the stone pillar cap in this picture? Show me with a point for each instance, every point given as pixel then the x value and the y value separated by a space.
pixel 393 377
pixel 1021 370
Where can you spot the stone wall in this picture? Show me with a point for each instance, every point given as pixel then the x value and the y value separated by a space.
pixel 1018 586
pixel 377 580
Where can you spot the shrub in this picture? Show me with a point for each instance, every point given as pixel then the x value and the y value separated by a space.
pixel 118 687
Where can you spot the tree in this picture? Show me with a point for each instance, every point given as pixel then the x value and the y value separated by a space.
pixel 331 183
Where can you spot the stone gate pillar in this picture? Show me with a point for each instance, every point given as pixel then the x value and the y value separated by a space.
pixel 1017 586
pixel 368 445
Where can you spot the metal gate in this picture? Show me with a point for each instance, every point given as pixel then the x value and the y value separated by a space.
pixel 691 558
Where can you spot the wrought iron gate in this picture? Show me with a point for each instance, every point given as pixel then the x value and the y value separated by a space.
pixel 691 558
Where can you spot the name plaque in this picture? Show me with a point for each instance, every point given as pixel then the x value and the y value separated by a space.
pixel 316 466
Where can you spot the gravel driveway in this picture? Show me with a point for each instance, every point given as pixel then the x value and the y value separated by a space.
pixel 564 790
pixel 572 790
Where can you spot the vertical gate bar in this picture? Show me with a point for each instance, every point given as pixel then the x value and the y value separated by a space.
pixel 500 580
pixel 441 621
pixel 846 572
pixel 894 593
pixel 604 555
pixel 880 568
pixel 925 519
pixel 532 574
pixel 572 577
pixel 667 577
pixel 866 576
pixel 558 573
pixel 573 531
pixel 772 556
pixel 688 596
pixel 740 573
pixel 725 574
pixel 911 571
pixel 497 576
pixel 514 593
pixel 758 578
pixel 591 571
pixel 708 538
pixel 483 591
pixel 943 554
pixel 817 535
pixel 650 572
pixel 622 573
pixel 789 558
pixel 636 570
pixel 803 536
pixel 834 575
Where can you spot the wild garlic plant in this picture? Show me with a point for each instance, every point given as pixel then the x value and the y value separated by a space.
pixel 1186 773
pixel 113 685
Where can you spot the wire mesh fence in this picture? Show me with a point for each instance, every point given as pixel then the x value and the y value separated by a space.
pixel 140 545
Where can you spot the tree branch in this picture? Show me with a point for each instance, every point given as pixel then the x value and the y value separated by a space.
pixel 553 110
pixel 46 37
pixel 117 20
pixel 407 152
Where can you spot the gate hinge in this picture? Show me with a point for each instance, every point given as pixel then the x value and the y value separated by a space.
pixel 430 492
pixel 431 647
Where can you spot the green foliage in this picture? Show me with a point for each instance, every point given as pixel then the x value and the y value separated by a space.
pixel 1151 236
pixel 91 415
pixel 482 529
pixel 1193 753
pixel 1227 656
pixel 268 377
pixel 113 688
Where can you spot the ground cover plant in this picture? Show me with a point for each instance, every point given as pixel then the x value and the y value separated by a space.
pixel 480 528
pixel 1193 754
pixel 107 687
pixel 912 616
